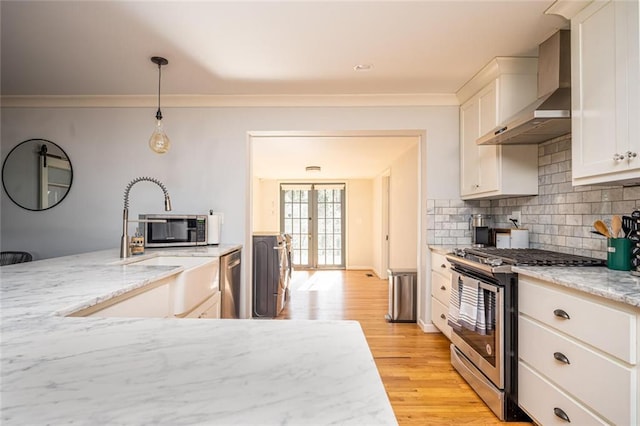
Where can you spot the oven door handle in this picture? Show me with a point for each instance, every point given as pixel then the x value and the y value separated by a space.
pixel 456 276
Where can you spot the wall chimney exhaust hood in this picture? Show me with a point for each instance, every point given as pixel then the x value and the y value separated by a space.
pixel 550 115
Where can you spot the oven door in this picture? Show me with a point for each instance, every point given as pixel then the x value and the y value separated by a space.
pixel 484 344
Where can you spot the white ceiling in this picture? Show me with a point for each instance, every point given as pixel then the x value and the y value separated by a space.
pixel 298 47
pixel 261 47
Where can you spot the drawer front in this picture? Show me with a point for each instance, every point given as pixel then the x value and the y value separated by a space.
pixel 540 399
pixel 604 385
pixel 608 329
pixel 441 288
pixel 439 317
pixel 440 263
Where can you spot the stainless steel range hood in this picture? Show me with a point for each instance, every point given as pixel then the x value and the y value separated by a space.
pixel 550 115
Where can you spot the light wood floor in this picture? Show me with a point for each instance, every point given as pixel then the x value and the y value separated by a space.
pixel 422 386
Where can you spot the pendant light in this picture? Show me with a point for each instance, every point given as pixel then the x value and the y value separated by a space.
pixel 159 141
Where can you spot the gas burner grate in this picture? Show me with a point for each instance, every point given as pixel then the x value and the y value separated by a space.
pixel 535 257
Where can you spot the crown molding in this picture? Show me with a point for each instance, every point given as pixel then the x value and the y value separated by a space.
pixel 567 8
pixel 500 65
pixel 195 101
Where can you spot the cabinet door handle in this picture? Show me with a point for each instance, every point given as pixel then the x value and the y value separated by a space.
pixel 631 155
pixel 442 316
pixel 560 413
pixel 561 313
pixel 561 357
pixel 618 157
pixel 442 287
pixel 443 266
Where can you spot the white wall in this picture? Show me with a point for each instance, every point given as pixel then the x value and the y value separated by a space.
pixel 207 167
pixel 359 224
pixel 403 211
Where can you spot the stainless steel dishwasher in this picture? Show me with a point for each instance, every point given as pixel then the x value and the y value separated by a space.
pixel 230 268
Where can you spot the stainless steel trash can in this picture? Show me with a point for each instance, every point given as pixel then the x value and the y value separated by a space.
pixel 402 295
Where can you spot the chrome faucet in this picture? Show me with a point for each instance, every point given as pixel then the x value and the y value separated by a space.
pixel 124 240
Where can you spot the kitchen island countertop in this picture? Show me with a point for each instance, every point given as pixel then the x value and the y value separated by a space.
pixel 58 369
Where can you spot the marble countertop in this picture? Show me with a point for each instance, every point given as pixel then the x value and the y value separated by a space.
pixel 58 369
pixel 619 286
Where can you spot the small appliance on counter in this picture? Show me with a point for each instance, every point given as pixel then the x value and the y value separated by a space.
pixel 512 238
pixel 169 230
pixel 480 230
pixel 519 238
pixel 503 238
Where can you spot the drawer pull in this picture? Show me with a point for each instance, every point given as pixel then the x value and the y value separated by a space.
pixel 561 313
pixel 442 316
pixel 561 357
pixel 560 413
pixel 443 266
pixel 442 287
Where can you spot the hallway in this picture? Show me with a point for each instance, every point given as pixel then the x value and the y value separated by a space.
pixel 421 384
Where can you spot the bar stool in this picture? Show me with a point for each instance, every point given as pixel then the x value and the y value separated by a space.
pixel 11 257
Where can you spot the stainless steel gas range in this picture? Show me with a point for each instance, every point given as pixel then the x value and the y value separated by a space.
pixel 483 313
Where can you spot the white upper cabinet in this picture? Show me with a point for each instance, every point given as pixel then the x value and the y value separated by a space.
pixel 605 92
pixel 498 91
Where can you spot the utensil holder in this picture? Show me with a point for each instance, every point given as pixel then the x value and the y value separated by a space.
pixel 619 254
pixel 634 237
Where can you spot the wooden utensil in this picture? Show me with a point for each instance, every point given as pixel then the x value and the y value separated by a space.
pixel 602 228
pixel 616 226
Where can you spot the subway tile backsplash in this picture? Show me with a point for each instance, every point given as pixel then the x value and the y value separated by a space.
pixel 559 218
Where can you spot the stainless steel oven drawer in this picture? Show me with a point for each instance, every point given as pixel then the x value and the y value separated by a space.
pixel 492 396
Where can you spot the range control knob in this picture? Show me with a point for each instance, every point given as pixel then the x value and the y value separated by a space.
pixel 493 261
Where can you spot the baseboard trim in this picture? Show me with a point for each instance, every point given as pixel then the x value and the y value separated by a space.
pixel 428 327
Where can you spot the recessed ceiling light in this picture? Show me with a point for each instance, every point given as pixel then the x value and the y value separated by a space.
pixel 363 67
pixel 312 168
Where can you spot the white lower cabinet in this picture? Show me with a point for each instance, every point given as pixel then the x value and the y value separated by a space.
pixel 547 404
pixel 577 356
pixel 439 317
pixel 440 292
pixel 209 309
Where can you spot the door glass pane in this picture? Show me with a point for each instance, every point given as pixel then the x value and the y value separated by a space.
pixel 295 222
pixel 329 211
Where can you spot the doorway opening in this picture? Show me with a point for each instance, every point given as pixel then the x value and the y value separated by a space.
pixel 314 215
pixel 385 197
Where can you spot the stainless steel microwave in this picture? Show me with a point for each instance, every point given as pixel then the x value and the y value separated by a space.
pixel 167 230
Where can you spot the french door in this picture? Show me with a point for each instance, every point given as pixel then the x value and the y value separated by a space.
pixel 313 214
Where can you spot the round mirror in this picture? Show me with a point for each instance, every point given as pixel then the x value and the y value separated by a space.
pixel 37 174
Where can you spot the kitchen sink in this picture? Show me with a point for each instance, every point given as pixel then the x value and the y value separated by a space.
pixel 197 282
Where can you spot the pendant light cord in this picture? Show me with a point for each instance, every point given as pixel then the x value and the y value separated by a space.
pixel 159 113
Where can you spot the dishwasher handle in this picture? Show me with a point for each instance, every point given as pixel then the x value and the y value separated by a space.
pixel 233 264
